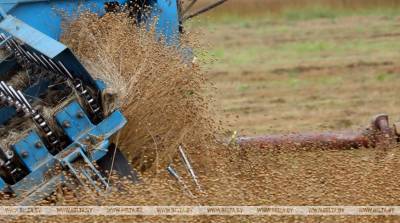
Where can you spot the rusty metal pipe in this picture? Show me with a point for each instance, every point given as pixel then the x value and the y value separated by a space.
pixel 379 132
pixel 327 140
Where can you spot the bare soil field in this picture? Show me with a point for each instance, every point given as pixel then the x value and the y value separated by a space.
pixel 320 74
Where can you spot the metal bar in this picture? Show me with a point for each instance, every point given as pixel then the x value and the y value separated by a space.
pixel 5 41
pixel 6 88
pixel 95 171
pixel 174 174
pixel 24 100
pixel 73 171
pixel 22 53
pixel 29 55
pixel 343 140
pixel 48 63
pixel 179 179
pixel 56 66
pixel 205 9
pixel 191 4
pixel 18 102
pixel 380 132
pixel 66 70
pixel 88 177
pixel 44 65
pixel 188 166
pixel 8 44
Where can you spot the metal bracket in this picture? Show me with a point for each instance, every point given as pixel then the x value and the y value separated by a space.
pixel 82 170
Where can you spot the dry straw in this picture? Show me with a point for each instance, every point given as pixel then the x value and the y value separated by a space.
pixel 161 95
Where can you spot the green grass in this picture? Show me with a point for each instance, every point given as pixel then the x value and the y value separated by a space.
pixel 295 51
pixel 387 77
pixel 310 12
pixel 243 87
pixel 323 12
pixel 308 47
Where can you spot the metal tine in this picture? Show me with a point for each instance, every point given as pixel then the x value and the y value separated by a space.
pixel 24 108
pixel 20 53
pixel 11 100
pixel 12 91
pixel 48 63
pixel 3 94
pixel 94 170
pixel 56 66
pixel 188 166
pixel 179 179
pixel 86 174
pixel 14 99
pixel 66 70
pixel 4 38
pixel 18 102
pixel 32 58
pixel 3 91
pixel 40 60
pixel 16 96
pixel 23 52
pixel 73 171
pixel 173 173
pixel 16 46
pixel 43 62
pixel 6 88
pixel 20 49
pixel 24 100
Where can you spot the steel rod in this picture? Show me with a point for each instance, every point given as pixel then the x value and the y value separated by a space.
pixel 378 133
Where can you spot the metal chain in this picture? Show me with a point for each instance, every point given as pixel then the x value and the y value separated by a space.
pixel 58 68
pixel 11 97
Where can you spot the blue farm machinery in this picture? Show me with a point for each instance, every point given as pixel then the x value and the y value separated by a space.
pixel 77 132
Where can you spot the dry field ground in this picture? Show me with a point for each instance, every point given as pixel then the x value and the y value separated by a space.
pixel 303 69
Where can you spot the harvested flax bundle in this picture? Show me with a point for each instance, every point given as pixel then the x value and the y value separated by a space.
pixel 161 96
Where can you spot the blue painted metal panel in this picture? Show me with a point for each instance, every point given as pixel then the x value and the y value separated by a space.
pixel 109 126
pixel 36 184
pixel 3 184
pixel 32 36
pixel 36 178
pixel 47 46
pixel 37 23
pixel 101 85
pixel 31 151
pixel 84 134
pixel 47 16
pixel 166 13
pixel 75 67
pixel 41 190
pixel 100 151
pixel 73 120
